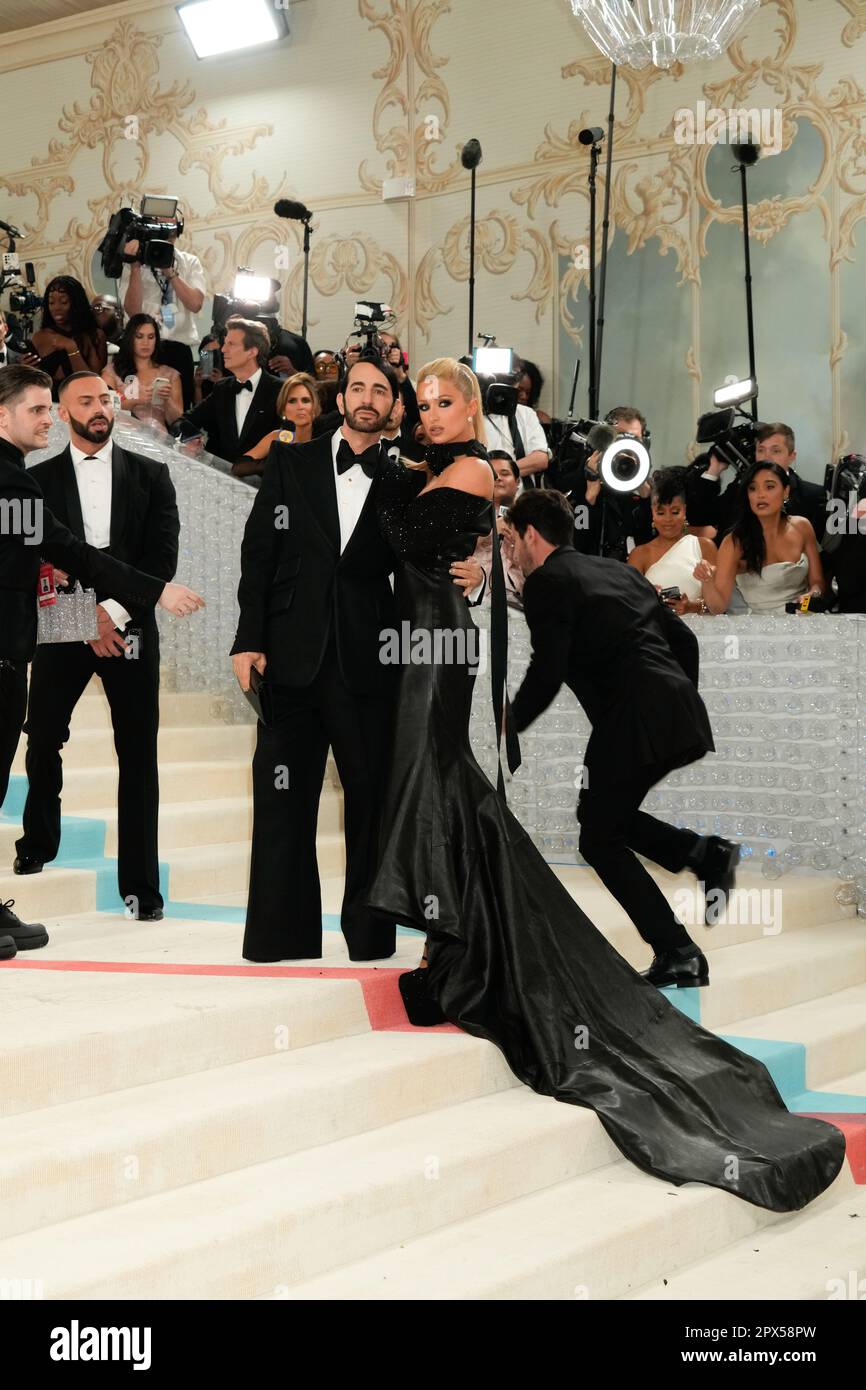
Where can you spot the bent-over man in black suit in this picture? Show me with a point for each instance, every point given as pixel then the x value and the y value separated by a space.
pixel 314 596
pixel 124 504
pixel 599 627
pixel 242 409
pixel 28 532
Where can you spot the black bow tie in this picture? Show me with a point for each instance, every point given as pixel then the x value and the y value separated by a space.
pixel 242 386
pixel 369 460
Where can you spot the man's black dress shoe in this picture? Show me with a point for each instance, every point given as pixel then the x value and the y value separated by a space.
pixel 25 865
pixel 421 1010
pixel 150 914
pixel 8 949
pixel 684 967
pixel 717 871
pixel 27 936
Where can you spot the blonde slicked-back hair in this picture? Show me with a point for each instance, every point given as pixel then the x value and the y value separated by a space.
pixel 466 382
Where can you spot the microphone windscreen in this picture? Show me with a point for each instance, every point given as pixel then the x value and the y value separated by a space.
pixel 601 436
pixel 470 155
pixel 285 207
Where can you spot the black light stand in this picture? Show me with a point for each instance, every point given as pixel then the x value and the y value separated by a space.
pixel 745 156
pixel 470 158
pixel 307 231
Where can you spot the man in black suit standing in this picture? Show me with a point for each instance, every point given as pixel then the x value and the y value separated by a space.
pixel 28 532
pixel 598 626
pixel 242 409
pixel 314 596
pixel 122 503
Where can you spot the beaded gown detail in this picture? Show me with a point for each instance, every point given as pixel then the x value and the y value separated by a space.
pixel 513 959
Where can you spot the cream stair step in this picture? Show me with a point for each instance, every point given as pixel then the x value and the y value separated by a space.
pixel 774 973
pixel 38 897
pixel 592 1237
pixel 87 788
pixel 183 824
pixel 94 748
pixel 246 1233
pixel 202 872
pixel 831 1028
pixel 813 1256
pixel 64 1038
pixel 803 902
pixel 817 1253
pixel 131 1144
pixel 188 708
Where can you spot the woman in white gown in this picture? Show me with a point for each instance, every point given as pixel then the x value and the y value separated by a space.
pixel 770 556
pixel 669 560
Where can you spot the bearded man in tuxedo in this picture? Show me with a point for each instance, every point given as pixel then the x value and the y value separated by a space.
pixel 314 596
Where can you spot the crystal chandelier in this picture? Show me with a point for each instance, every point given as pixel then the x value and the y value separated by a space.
pixel 634 33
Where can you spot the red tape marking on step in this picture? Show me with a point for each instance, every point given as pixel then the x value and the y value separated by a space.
pixel 379 984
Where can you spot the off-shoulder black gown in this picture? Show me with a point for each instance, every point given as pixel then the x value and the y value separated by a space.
pixel 513 959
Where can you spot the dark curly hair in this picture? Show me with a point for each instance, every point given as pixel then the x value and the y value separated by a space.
pixel 668 484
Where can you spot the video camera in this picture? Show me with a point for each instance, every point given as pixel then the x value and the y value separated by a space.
pixel 370 318
pixel 158 218
pixel 625 462
pixel 734 444
pixel 846 479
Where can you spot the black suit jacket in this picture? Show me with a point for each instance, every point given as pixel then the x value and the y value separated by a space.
pixel 598 626
pixel 297 589
pixel 145 525
pixel 19 562
pixel 216 414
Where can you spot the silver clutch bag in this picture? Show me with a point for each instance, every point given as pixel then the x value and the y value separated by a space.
pixel 71 618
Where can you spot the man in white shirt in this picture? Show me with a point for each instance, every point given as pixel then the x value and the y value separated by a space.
pixel 173 297
pixel 125 504
pixel 534 458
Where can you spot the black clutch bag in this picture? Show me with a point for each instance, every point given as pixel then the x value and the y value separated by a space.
pixel 259 696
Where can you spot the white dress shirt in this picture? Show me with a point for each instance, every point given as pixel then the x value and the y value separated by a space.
pixel 352 489
pixel 191 271
pixel 244 399
pixel 93 479
pixel 531 432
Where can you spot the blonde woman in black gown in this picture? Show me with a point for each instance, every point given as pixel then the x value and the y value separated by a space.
pixel 512 958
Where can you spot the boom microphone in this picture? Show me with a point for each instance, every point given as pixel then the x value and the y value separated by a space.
pixel 296 212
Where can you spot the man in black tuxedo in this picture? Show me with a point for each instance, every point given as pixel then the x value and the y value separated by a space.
pixel 28 532
pixel 774 443
pixel 242 409
pixel 598 626
pixel 122 503
pixel 314 596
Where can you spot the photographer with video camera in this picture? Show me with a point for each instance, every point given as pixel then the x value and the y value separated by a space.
pixel 512 428
pixel 603 467
pixel 708 505
pixel 158 279
pixel 9 356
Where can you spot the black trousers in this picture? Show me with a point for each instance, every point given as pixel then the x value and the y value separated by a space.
pixel 179 356
pixel 613 831
pixel 58 677
pixel 284 911
pixel 13 706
